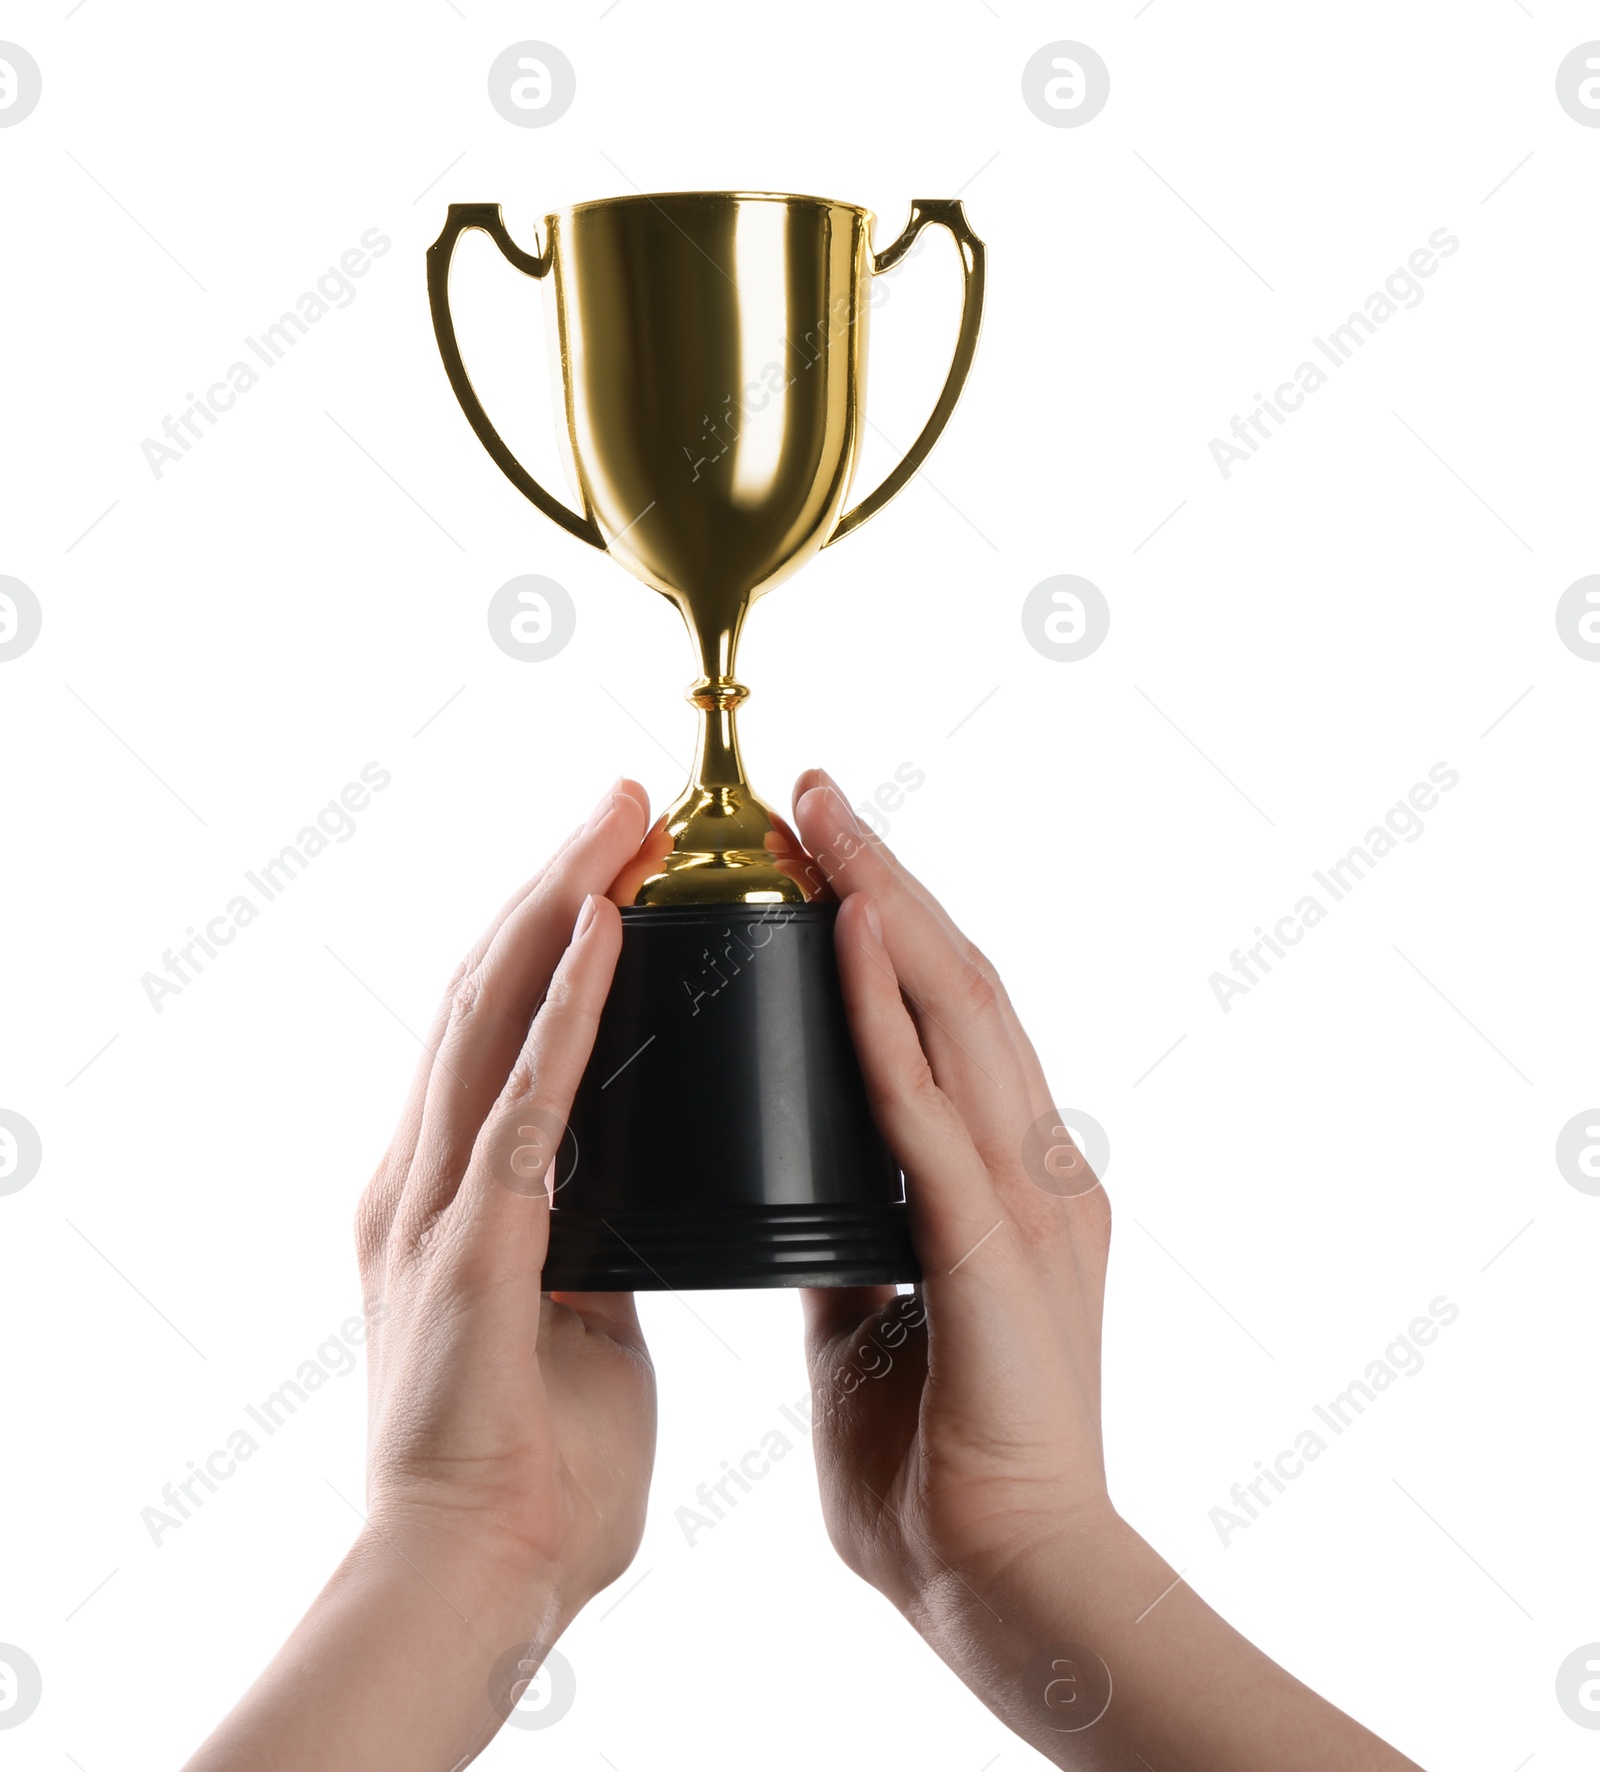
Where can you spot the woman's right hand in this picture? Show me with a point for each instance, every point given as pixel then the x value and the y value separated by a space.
pixel 961 1424
pixel 958 1428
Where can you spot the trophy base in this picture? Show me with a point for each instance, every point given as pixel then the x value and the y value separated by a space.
pixel 728 1246
pixel 721 1136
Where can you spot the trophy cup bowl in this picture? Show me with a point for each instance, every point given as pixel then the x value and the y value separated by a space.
pixel 713 358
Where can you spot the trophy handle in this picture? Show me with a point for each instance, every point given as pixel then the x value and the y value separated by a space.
pixel 462 218
pixel 943 212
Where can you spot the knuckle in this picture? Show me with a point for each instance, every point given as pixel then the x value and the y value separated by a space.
pixel 426 1231
pixel 524 1144
pixel 921 1087
pixel 980 985
pixel 980 962
pixel 559 994
pixel 909 1085
pixel 458 994
pixel 521 1085
pixel 892 1073
pixel 466 995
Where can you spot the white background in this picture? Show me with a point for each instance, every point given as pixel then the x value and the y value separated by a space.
pixel 228 644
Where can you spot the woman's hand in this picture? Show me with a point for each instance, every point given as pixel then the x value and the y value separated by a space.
pixel 511 1434
pixel 958 1428
pixel 523 1423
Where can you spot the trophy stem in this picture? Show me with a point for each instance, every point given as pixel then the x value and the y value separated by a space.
pixel 724 846
pixel 718 767
pixel 717 763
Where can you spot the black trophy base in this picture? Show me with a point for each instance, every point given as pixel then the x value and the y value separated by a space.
pixel 721 1136
pixel 727 1246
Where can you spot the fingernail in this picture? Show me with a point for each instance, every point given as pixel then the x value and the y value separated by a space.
pixel 585 917
pixel 606 801
pixel 874 922
pixel 847 819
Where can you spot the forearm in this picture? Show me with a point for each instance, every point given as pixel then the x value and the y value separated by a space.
pixel 1098 1652
pixel 393 1664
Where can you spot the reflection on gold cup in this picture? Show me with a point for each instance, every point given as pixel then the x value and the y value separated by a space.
pixel 713 348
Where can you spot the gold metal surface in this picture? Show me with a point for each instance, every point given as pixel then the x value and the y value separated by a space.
pixel 713 353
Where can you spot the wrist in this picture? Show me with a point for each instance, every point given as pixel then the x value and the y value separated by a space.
pixel 1056 1562
pixel 1092 1648
pixel 491 1577
pixel 1041 1630
pixel 409 1660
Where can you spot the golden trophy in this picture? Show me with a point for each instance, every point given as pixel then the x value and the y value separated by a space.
pixel 713 355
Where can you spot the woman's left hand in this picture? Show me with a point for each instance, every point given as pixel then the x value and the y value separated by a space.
pixel 511 1432
pixel 522 1422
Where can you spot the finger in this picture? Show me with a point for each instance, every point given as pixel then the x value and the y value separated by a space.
pixel 837 1319
pixel 949 1193
pixel 863 861
pixel 492 1009
pixel 979 1053
pixel 854 848
pixel 475 955
pixel 609 1313
pixel 646 861
pixel 832 1311
pixel 383 1195
pixel 502 1209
